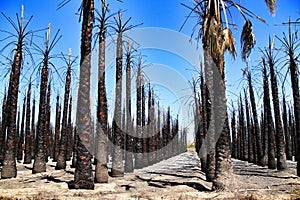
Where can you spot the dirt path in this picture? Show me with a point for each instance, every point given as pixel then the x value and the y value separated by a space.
pixel 176 178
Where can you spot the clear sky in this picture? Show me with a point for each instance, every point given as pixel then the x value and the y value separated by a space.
pixel 168 14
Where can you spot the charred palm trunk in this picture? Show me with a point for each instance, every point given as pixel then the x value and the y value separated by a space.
pixel 269 120
pixel 101 174
pixel 48 133
pixel 260 160
pixel 242 131
pixel 70 132
pixel 57 129
pixel 249 131
pixel 204 116
pixel 279 137
pixel 233 133
pixel 63 144
pixel 139 149
pixel 288 145
pixel 75 154
pixel 39 164
pixel 28 139
pixel 21 136
pixel 129 138
pixel 117 158
pixel 3 130
pixel 33 129
pixel 9 169
pixel 144 129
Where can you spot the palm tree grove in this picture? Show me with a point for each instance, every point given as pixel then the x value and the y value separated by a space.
pixel 174 99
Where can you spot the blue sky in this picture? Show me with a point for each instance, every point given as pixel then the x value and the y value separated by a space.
pixel 168 14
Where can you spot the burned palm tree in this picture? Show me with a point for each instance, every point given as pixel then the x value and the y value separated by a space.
pixel 129 124
pixel 216 40
pixel 279 136
pixel 117 158
pixel 291 44
pixel 83 173
pixel 268 119
pixel 138 142
pixel 257 135
pixel 9 163
pixel 28 137
pixel 21 136
pixel 3 129
pixel 101 174
pixel 57 129
pixel 287 137
pixel 33 128
pixel 62 155
pixel 39 164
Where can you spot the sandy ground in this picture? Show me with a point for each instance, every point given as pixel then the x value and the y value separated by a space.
pixel 176 178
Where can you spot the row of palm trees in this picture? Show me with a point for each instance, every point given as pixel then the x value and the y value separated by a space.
pixel 140 144
pixel 266 139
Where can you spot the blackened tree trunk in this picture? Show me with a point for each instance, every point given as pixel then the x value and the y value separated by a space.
pixel 3 129
pixel 62 155
pixel 129 138
pixel 70 132
pixel 83 173
pixel 233 133
pixel 117 158
pixel 48 133
pixel 101 174
pixel 279 137
pixel 21 136
pixel 260 160
pixel 57 129
pixel 249 131
pixel 288 145
pixel 33 129
pixel 9 169
pixel 39 164
pixel 139 149
pixel 28 139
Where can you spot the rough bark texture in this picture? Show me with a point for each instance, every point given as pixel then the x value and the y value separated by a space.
pixel 28 139
pixel 21 137
pixel 138 142
pixel 258 140
pixel 279 137
pixel 57 129
pixel 63 144
pixel 9 163
pixel 83 173
pixel 117 158
pixel 39 164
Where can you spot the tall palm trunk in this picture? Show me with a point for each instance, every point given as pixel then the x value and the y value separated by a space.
pixel 129 138
pixel 139 149
pixel 101 174
pixel 70 132
pixel 83 173
pixel 117 158
pixel 267 108
pixel 28 139
pixel 33 128
pixel 249 132
pixel 257 135
pixel 279 137
pixel 3 129
pixel 57 129
pixel 9 169
pixel 21 136
pixel 288 145
pixel 48 133
pixel 62 155
pixel 39 164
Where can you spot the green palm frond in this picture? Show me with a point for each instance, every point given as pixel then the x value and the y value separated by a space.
pixel 247 39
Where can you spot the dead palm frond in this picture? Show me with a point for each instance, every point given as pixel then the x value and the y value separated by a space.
pixel 271 5
pixel 247 39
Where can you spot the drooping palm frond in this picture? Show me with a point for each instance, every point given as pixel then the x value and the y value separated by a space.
pixel 228 43
pixel 247 39
pixel 271 5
